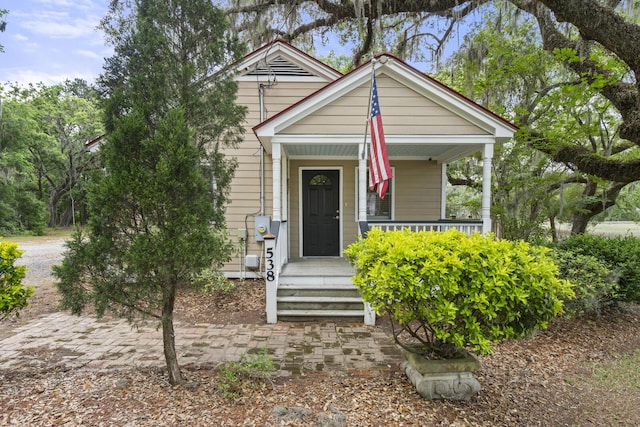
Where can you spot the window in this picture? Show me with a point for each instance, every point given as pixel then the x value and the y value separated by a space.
pixel 378 209
pixel 320 180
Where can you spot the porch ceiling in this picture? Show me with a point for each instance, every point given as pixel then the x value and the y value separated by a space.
pixel 440 153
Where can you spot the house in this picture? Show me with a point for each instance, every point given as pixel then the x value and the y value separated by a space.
pixel 302 178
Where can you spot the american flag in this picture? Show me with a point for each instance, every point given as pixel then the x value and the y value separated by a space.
pixel 379 169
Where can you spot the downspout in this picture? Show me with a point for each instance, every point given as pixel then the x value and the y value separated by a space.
pixel 261 88
pixel 245 243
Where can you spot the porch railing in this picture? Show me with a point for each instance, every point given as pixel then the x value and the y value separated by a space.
pixel 468 226
pixel 275 257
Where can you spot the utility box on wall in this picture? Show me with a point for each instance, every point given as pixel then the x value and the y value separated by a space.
pixel 252 262
pixel 263 225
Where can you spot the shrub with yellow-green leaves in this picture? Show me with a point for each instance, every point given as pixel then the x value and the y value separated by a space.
pixel 13 295
pixel 453 289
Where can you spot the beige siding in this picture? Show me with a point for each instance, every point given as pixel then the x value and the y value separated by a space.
pixel 418 190
pixel 417 184
pixel 405 112
pixel 245 187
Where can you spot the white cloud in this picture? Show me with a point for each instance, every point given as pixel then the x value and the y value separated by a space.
pixel 56 3
pixel 50 41
pixel 25 43
pixel 25 76
pixel 89 54
pixel 78 4
pixel 60 25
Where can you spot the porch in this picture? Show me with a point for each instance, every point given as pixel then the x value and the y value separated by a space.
pixel 318 184
pixel 312 288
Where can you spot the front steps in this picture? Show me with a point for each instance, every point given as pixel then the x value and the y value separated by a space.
pixel 318 289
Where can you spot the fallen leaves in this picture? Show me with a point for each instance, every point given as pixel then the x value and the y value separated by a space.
pixel 537 381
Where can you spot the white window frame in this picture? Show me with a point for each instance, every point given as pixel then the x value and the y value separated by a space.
pixel 392 204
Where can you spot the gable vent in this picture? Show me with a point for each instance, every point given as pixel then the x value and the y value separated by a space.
pixel 280 67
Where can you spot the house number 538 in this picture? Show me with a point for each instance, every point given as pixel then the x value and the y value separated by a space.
pixel 270 264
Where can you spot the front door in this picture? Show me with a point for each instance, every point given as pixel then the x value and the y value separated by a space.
pixel 320 213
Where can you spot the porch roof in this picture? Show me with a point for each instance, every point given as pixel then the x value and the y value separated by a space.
pixel 440 149
pixel 444 146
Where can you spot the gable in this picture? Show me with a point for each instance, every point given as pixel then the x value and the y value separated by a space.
pixel 279 66
pixel 404 112
pixel 279 61
pixel 414 103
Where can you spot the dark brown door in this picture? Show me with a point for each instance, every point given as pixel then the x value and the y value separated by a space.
pixel 321 213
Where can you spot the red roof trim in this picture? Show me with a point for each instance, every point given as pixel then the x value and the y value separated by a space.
pixel 450 90
pixel 325 87
pixel 94 141
pixel 401 62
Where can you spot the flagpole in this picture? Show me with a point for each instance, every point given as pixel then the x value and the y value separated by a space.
pixel 366 122
pixel 362 162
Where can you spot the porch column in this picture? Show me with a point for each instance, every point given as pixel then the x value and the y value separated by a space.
pixel 362 184
pixel 369 314
pixel 283 230
pixel 443 192
pixel 487 158
pixel 277 194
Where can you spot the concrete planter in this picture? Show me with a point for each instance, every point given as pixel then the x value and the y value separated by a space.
pixel 443 379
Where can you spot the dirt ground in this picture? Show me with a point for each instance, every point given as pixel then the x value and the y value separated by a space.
pixel 544 380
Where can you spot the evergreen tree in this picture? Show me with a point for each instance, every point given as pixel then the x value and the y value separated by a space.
pixel 155 218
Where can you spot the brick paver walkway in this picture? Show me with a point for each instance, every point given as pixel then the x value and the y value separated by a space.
pixel 75 342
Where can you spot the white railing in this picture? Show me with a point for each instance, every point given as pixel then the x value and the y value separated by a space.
pixel 275 255
pixel 282 248
pixel 466 226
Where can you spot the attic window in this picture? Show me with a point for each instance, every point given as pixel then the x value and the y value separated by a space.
pixel 280 67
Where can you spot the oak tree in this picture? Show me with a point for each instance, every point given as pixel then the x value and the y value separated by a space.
pixel 595 31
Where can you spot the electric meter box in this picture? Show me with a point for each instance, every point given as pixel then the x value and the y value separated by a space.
pixel 252 262
pixel 263 225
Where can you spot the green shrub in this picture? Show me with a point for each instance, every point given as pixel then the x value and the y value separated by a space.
pixel 595 285
pixel 620 254
pixel 21 211
pixel 13 295
pixel 458 290
pixel 214 282
pixel 251 371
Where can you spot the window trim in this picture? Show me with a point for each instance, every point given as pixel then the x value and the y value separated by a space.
pixel 392 188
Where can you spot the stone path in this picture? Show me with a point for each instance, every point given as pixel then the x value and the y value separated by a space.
pixel 75 342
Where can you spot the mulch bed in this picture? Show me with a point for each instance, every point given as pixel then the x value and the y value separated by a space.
pixel 542 380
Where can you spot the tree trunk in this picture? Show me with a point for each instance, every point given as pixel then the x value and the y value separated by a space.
pixel 54 199
pixel 553 228
pixel 585 212
pixel 66 219
pixel 580 221
pixel 168 336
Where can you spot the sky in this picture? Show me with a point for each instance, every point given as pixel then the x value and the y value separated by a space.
pixel 50 41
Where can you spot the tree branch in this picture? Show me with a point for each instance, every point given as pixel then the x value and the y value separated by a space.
pixel 624 96
pixel 602 24
pixel 586 161
pixel 466 181
pixel 570 180
pixel 366 45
